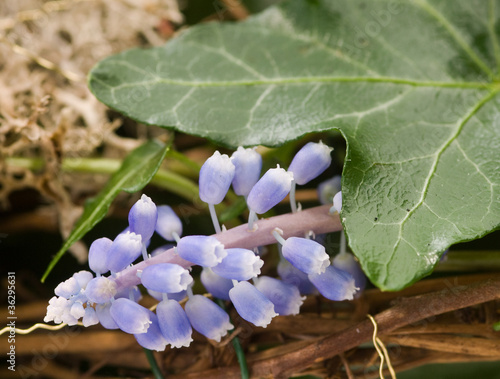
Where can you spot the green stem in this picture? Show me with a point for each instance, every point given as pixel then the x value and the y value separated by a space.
pixel 240 354
pixel 179 157
pixel 177 184
pixel 155 369
pixel 165 179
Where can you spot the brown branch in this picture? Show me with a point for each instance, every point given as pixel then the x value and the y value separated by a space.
pixel 483 330
pixel 407 312
pixel 451 344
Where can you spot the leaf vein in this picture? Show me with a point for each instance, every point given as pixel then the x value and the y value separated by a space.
pixel 459 126
pixel 455 35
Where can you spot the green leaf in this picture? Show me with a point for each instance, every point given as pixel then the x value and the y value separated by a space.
pixel 412 86
pixel 135 172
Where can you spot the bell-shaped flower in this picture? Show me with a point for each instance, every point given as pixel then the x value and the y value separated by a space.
pixel 125 249
pixel 142 218
pixel 207 318
pixel 153 338
pixel 239 264
pixel 347 262
pixel 77 310
pixel 90 317
pixel 103 314
pixel 174 323
pixel 83 277
pixel 57 307
pixel 204 251
pixel 168 224
pixel 335 284
pixel 68 288
pixel 177 296
pixel 273 187
pixel 306 255
pixel 133 293
pixel 69 319
pixel 129 316
pixel 145 243
pixel 166 277
pixel 292 275
pixel 310 162
pixel 100 290
pixel 337 203
pixel 216 176
pixel 98 255
pixel 327 189
pixel 251 304
pixel 248 164
pixel 161 249
pixel 215 284
pixel 285 297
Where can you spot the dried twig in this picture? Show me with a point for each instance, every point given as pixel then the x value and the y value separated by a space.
pixel 407 312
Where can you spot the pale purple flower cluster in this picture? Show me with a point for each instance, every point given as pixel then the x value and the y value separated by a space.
pixel 305 266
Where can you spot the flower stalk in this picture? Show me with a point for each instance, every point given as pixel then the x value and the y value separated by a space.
pixel 316 219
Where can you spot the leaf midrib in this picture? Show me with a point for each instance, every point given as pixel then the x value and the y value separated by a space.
pixel 302 80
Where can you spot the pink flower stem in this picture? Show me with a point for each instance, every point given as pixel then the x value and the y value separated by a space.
pixel 293 225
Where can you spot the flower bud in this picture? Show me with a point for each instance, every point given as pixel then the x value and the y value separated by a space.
pixel 334 284
pixel 168 223
pixel 124 250
pixel 90 317
pixel 174 323
pixel 310 162
pixel 251 304
pixel 273 187
pixel 285 297
pixel 133 293
pixel 337 202
pixel 58 306
pixel 162 249
pixel 292 275
pixel 204 251
pixel 348 263
pixel 98 255
pixel 216 176
pixel 67 288
pixel 142 218
pixel 100 290
pixel 103 314
pixel 328 189
pixel 77 310
pixel 177 296
pixel 207 318
pixel 83 277
pixel 248 164
pixel 166 277
pixel 306 255
pixel 130 317
pixel 217 285
pixel 239 264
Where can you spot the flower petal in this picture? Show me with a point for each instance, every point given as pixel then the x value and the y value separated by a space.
pixel 207 318
pixel 216 176
pixel 129 316
pixel 251 304
pixel 174 323
pixel 273 187
pixel 310 162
